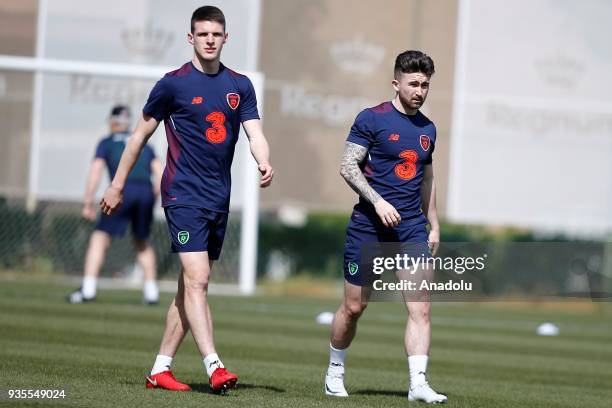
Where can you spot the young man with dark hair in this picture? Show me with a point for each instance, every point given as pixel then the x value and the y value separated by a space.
pixel 140 195
pixel 387 160
pixel 202 104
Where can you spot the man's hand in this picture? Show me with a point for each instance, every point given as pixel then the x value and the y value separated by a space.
pixel 434 241
pixel 88 212
pixel 267 173
pixel 387 213
pixel 112 200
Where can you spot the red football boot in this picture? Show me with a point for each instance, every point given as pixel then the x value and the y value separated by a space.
pixel 222 380
pixel 166 380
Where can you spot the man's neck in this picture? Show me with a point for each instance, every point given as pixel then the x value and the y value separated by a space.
pixel 208 67
pixel 402 108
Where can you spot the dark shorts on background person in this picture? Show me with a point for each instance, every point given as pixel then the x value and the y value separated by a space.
pixel 137 209
pixel 195 229
pixel 365 231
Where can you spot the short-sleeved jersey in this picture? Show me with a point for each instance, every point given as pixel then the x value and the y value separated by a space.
pixel 399 146
pixel 110 150
pixel 202 115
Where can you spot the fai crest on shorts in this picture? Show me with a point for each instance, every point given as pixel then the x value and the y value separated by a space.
pixel 353 268
pixel 183 237
pixel 233 100
pixel 425 142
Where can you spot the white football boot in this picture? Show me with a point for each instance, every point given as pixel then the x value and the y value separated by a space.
pixel 334 383
pixel 423 392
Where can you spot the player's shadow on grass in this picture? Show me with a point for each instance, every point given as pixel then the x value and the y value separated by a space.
pixel 205 388
pixel 385 393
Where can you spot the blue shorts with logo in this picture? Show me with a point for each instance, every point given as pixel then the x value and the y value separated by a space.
pixel 137 209
pixel 195 229
pixel 365 230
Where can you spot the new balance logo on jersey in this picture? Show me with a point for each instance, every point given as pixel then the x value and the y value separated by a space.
pixel 197 100
pixel 394 137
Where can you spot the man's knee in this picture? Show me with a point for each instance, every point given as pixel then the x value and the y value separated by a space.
pixel 419 312
pixel 141 244
pixel 196 272
pixel 196 285
pixel 354 309
pixel 196 281
pixel 100 240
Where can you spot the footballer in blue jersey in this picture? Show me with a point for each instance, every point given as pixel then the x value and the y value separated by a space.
pixel 137 208
pixel 202 114
pixel 202 104
pixel 399 146
pixel 139 197
pixel 388 161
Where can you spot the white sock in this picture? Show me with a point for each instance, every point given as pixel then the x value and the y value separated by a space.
pixel 150 291
pixel 417 366
pixel 88 288
pixel 336 359
pixel 211 363
pixel 162 363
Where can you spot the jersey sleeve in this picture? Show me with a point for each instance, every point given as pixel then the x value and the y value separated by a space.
pixel 159 104
pixel 361 132
pixel 248 105
pixel 101 150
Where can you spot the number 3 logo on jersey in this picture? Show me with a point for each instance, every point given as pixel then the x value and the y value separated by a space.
pixel 217 132
pixel 407 169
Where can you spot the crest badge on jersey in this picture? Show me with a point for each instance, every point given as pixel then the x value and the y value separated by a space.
pixel 233 100
pixel 425 142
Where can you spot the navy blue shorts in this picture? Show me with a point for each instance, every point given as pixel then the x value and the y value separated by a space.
pixel 137 209
pixel 365 231
pixel 196 229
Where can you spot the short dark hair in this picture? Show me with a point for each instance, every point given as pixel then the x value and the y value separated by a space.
pixel 208 13
pixel 120 109
pixel 412 61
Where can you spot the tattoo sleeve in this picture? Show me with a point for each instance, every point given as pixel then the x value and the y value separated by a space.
pixel 350 171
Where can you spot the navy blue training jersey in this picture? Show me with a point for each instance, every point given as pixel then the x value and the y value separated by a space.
pixel 110 150
pixel 202 115
pixel 399 146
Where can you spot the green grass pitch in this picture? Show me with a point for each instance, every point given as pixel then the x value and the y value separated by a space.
pixel 483 355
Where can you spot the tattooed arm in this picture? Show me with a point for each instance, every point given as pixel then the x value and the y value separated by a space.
pixel 350 171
